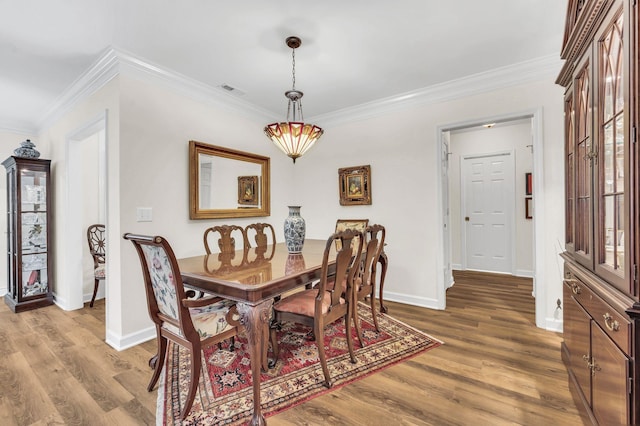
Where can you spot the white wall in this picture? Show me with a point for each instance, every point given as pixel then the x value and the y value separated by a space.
pixel 402 149
pixel 516 136
pixel 156 126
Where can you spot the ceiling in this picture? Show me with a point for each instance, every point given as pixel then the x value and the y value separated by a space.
pixel 353 51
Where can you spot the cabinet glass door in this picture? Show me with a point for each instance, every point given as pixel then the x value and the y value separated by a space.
pixel 33 220
pixel 612 156
pixel 569 137
pixel 583 168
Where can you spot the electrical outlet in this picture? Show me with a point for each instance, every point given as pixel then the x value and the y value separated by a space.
pixel 144 214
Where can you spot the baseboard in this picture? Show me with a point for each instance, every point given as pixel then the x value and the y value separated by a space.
pixel 407 299
pixel 553 324
pixel 121 343
pixel 456 266
pixel 523 273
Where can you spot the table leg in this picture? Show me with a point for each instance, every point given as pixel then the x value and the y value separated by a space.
pixel 255 318
pixel 383 262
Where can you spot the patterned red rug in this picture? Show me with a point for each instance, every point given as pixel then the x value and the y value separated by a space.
pixel 225 393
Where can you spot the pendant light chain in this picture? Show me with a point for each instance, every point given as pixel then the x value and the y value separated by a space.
pixel 293 62
pixel 295 137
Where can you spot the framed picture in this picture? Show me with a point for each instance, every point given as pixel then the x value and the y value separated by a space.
pixel 528 208
pixel 529 184
pixel 248 190
pixel 355 185
pixel 344 224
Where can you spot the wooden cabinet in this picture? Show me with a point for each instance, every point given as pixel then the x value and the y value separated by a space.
pixel 601 309
pixel 29 263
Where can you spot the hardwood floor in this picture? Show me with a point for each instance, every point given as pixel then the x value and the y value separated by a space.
pixel 495 368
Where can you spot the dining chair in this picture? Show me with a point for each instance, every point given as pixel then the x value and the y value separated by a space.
pixel 193 324
pixel 357 224
pixel 365 282
pixel 229 238
pixel 320 306
pixel 259 236
pixel 97 239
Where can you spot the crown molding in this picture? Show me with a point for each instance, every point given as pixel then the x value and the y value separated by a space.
pixel 499 78
pixel 114 61
pixel 102 71
pixel 132 65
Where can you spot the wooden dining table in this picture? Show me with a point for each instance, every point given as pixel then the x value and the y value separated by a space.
pixel 253 277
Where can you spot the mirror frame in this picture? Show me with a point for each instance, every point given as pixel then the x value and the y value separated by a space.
pixel 195 212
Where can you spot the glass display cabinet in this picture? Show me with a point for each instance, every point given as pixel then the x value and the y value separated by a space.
pixel 29 269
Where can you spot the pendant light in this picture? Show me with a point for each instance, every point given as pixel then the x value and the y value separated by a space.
pixel 293 137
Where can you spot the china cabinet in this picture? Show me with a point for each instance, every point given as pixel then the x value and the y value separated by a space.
pixel 29 263
pixel 601 309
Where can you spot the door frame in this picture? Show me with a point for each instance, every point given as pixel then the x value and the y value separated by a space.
pixel 444 258
pixel 511 206
pixel 75 236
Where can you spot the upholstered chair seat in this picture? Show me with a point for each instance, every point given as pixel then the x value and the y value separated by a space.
pixel 304 303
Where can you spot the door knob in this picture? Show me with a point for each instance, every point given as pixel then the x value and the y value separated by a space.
pixel 466 219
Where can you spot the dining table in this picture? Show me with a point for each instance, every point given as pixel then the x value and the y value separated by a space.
pixel 253 277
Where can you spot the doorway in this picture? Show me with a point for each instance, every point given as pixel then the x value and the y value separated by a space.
pixel 447 169
pixel 86 205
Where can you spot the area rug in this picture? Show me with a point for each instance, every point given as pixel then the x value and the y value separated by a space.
pixel 225 390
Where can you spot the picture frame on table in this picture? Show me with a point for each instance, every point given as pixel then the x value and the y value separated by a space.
pixel 355 185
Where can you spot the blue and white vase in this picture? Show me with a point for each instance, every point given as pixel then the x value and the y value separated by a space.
pixel 294 230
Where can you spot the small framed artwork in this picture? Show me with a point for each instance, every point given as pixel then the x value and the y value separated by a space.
pixel 355 185
pixel 529 184
pixel 248 190
pixel 528 208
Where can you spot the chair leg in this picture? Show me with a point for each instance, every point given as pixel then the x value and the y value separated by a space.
pixel 95 291
pixel 356 322
pixel 158 361
pixel 319 332
pixel 372 299
pixel 273 334
pixel 347 322
pixel 196 365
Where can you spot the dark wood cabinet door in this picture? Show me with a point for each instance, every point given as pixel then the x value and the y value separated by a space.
pixel 610 379
pixel 578 341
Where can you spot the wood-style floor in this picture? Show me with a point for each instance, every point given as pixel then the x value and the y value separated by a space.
pixel 495 368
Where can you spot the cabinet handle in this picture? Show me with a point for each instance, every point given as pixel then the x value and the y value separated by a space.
pixel 575 288
pixel 611 324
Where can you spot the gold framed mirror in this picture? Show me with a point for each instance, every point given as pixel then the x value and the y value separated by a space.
pixel 226 183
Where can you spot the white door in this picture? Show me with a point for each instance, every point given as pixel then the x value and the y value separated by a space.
pixel 487 212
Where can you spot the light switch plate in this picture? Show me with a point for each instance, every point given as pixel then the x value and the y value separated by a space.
pixel 144 214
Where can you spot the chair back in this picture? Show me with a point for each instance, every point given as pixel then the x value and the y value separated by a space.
pixel 346 266
pixel 97 243
pixel 228 239
pixel 356 224
pixel 163 284
pixel 374 235
pixel 259 236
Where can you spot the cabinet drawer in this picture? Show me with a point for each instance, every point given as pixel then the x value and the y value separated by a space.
pixel 615 325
